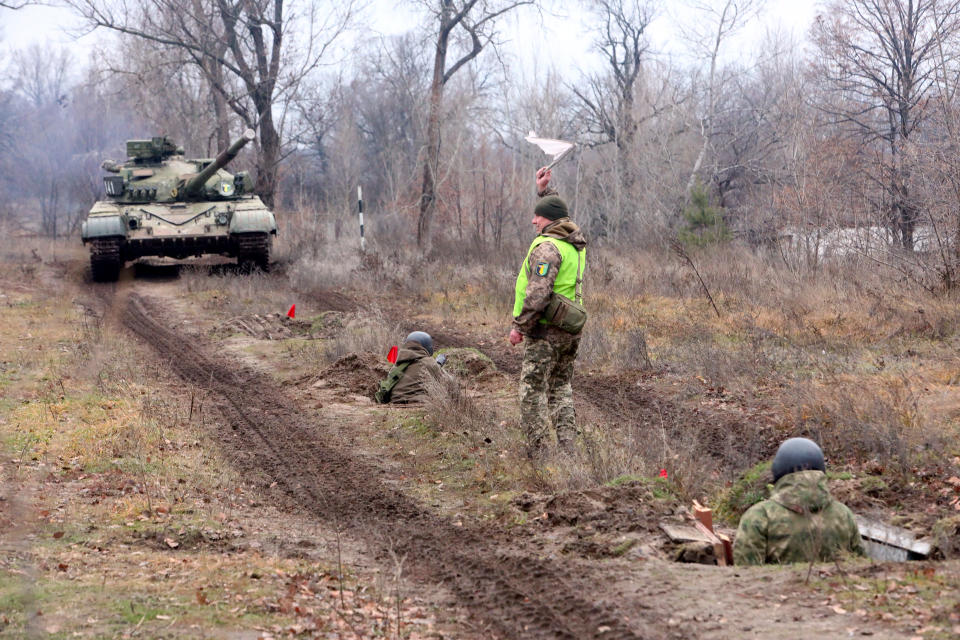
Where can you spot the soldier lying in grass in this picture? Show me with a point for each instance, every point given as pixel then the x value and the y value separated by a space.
pixel 800 522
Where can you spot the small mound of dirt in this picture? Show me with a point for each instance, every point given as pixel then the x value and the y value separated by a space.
pixel 272 326
pixel 605 522
pixel 330 300
pixel 467 363
pixel 571 508
pixel 356 372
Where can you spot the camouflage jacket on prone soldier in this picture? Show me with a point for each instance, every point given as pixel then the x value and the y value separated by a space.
pixel 539 288
pixel 800 522
pixel 412 387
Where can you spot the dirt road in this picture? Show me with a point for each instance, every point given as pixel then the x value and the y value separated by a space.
pixel 509 591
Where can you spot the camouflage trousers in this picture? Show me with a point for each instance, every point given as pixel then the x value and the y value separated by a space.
pixel 546 396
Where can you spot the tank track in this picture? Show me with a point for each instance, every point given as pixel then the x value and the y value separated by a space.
pixel 253 251
pixel 105 260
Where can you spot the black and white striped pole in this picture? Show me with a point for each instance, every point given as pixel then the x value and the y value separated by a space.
pixel 360 212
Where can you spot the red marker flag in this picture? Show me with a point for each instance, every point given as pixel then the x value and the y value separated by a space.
pixel 392 356
pixel 663 473
pixel 292 311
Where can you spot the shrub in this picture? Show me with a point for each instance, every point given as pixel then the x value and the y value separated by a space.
pixel 704 222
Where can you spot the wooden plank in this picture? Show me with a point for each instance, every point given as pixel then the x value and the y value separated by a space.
pixel 718 551
pixel 682 533
pixel 727 548
pixel 703 514
pixel 890 536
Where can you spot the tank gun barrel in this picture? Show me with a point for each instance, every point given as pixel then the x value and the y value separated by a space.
pixel 195 184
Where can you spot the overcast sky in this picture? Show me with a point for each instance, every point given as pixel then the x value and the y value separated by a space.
pixel 563 41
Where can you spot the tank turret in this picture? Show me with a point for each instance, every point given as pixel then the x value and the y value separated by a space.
pixel 194 185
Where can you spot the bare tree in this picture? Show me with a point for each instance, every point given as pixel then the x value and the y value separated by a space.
pixel 881 57
pixel 722 18
pixel 472 22
pixel 755 124
pixel 167 93
pixel 42 160
pixel 617 102
pixel 249 41
pixel 609 99
pixel 41 76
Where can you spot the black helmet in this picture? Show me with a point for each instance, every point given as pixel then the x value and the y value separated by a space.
pixel 423 339
pixel 797 454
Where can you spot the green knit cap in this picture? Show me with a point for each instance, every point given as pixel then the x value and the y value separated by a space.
pixel 551 208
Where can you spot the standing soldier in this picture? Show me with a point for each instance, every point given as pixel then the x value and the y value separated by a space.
pixel 547 311
pixel 801 522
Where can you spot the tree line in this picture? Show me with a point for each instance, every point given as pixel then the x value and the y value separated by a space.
pixel 853 126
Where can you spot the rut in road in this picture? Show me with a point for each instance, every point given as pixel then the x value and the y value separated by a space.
pixel 510 592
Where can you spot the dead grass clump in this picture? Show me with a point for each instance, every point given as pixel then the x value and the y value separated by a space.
pixel 858 422
pixel 367 332
pixel 698 454
pixel 946 537
pixel 335 266
pixel 450 408
pixel 253 293
pixel 596 347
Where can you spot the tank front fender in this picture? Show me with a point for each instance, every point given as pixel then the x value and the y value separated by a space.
pixel 255 221
pixel 103 227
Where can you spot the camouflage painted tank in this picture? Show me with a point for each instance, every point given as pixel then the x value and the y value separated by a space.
pixel 160 204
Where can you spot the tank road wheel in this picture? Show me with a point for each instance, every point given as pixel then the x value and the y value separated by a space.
pixel 105 262
pixel 253 252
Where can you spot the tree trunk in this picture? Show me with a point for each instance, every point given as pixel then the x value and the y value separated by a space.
pixel 220 108
pixel 428 195
pixel 269 159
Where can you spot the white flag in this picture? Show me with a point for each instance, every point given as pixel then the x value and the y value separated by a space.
pixel 549 146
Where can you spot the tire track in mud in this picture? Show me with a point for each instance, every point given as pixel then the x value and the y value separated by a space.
pixel 508 591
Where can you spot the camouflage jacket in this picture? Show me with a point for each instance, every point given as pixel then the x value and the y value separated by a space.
pixel 539 289
pixel 412 387
pixel 800 522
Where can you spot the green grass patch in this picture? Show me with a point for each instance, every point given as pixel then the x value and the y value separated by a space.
pixel 747 491
pixel 660 488
pixel 839 475
pixel 96 431
pixel 623 547
pixel 418 425
pixel 625 479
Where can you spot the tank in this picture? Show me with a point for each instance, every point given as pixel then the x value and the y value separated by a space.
pixel 160 204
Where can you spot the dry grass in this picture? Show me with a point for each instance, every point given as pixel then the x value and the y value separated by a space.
pixel 364 332
pixel 844 354
pixel 126 519
pixel 253 293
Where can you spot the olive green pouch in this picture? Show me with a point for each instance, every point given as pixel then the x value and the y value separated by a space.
pixel 564 313
pixel 383 394
pixel 569 315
